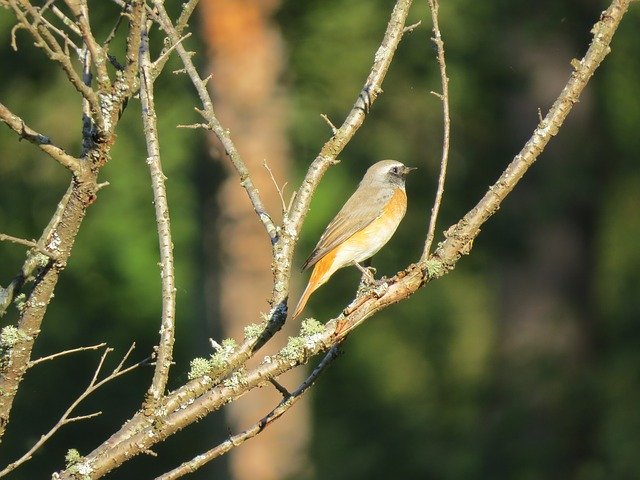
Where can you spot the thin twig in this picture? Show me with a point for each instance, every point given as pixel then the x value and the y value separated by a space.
pixel 236 440
pixel 275 184
pixel 444 97
pixel 281 388
pixel 149 121
pixel 47 42
pixel 333 128
pixel 33 363
pixel 43 142
pixel 367 96
pixel 20 241
pixel 66 418
pixel 81 12
pixel 61 33
pixel 163 56
pixel 66 20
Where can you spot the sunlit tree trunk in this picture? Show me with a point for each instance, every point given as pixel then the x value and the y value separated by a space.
pixel 246 55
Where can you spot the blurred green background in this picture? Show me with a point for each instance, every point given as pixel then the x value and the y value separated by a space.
pixel 523 363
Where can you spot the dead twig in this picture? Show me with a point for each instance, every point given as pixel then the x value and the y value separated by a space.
pixel 33 363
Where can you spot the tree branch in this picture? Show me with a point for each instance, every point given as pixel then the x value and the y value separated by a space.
pixel 149 121
pixel 214 124
pixel 444 97
pixel 81 11
pixel 66 416
pixel 43 142
pixel 53 356
pixel 256 428
pixel 47 42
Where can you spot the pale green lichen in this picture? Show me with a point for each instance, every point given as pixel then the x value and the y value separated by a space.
pixel 235 380
pixel 433 268
pixel 310 327
pixel 76 465
pixel 199 368
pixel 214 364
pixel 72 457
pixel 252 331
pixel 11 335
pixel 294 349
pixel 20 302
pixel 228 346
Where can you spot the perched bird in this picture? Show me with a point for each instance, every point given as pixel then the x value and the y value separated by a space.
pixel 362 227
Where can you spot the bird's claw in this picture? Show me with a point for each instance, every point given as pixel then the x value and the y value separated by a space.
pixel 368 273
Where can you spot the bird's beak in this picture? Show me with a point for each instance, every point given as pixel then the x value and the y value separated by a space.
pixel 406 170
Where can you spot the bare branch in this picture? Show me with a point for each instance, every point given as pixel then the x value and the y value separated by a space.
pixel 437 39
pixel 47 42
pixel 214 124
pixel 333 128
pixel 236 440
pixel 149 121
pixel 98 56
pixel 33 363
pixel 61 33
pixel 43 142
pixel 66 416
pixel 162 59
pixel 20 241
pixel 66 20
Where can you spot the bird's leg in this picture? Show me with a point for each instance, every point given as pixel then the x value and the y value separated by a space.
pixel 367 272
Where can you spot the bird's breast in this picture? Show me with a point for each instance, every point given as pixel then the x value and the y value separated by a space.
pixel 366 243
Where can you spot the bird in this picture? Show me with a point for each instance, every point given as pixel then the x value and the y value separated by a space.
pixel 365 223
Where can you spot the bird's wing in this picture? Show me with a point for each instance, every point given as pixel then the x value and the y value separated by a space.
pixel 362 208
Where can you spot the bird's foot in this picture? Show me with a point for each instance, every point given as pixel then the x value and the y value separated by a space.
pixel 367 274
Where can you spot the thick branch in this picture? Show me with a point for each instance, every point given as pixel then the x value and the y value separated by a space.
pixel 256 428
pixel 59 240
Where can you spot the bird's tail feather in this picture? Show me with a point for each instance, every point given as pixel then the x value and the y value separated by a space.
pixel 320 274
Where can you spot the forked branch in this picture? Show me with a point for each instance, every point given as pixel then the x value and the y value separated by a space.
pixel 66 417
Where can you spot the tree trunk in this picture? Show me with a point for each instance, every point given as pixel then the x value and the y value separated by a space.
pixel 247 57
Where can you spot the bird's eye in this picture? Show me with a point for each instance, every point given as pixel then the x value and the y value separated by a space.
pixel 395 170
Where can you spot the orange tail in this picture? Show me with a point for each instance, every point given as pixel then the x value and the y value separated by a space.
pixel 321 273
